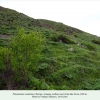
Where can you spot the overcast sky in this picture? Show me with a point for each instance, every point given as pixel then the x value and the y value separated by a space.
pixel 82 14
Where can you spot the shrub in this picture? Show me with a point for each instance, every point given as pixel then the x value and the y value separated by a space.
pixel 89 46
pixel 96 41
pixel 92 84
pixel 36 84
pixel 62 38
pixel 21 57
pixel 75 35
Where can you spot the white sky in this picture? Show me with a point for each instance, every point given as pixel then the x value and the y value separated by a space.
pixel 82 14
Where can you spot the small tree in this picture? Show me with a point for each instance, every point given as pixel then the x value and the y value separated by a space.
pixel 25 49
pixel 21 56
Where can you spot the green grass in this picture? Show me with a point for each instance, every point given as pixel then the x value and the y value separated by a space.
pixel 70 59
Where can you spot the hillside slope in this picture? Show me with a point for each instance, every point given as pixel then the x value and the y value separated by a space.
pixel 70 59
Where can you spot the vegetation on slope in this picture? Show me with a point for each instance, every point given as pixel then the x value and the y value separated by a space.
pixel 68 59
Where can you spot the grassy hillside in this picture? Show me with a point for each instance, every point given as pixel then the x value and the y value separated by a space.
pixel 70 59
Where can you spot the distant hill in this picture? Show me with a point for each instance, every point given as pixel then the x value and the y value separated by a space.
pixel 70 59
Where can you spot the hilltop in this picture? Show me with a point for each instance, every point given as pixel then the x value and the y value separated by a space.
pixel 69 59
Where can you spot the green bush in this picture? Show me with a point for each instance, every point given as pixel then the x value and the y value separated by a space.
pixel 89 46
pixel 96 41
pixel 92 84
pixel 21 57
pixel 62 38
pixel 37 84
